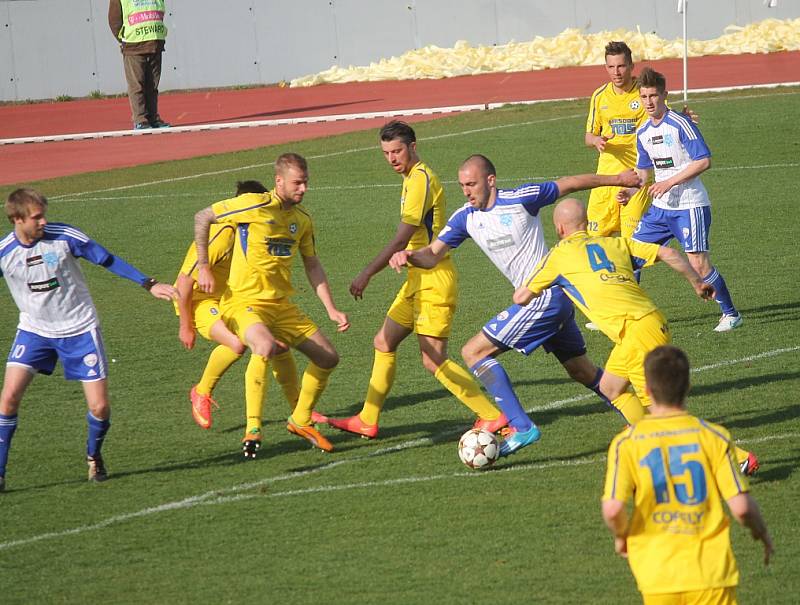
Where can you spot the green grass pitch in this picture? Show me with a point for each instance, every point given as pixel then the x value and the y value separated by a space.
pixel 185 519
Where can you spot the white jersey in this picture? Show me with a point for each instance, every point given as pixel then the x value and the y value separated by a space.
pixel 510 232
pixel 46 281
pixel 668 149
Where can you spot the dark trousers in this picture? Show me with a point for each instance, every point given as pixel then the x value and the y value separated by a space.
pixel 143 73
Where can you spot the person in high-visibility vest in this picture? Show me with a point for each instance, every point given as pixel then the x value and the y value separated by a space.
pixel 139 27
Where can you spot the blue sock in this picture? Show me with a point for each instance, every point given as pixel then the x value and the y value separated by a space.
pixel 8 424
pixel 494 378
pixel 595 386
pixel 97 433
pixel 722 297
pixel 637 274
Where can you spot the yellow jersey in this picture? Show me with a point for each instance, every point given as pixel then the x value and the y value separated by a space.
pixel 619 115
pixel 267 239
pixel 678 469
pixel 597 274
pixel 423 205
pixel 220 246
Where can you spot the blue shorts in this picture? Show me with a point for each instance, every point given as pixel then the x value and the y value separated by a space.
pixel 548 321
pixel 83 356
pixel 690 227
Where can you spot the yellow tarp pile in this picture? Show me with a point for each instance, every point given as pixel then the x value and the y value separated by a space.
pixel 570 47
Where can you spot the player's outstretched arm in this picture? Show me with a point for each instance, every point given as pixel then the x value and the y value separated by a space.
pixel 427 257
pixel 745 510
pixel 319 281
pixel 679 263
pixel 616 519
pixel 397 243
pixel 163 291
pixel 202 223
pixel 624 195
pixel 579 182
pixel 186 332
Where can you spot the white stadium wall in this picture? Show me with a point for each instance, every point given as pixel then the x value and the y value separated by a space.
pixel 50 48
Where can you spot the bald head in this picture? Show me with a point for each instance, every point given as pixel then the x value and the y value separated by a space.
pixel 569 216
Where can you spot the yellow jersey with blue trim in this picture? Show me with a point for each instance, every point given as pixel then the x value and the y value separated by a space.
pixel 422 205
pixel 678 469
pixel 616 116
pixel 267 238
pixel 220 249
pixel 597 274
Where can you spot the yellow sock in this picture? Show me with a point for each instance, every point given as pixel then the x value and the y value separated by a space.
pixel 315 379
pixel 255 382
pixel 219 361
pixel 284 371
pixel 384 368
pixel 630 406
pixel 461 384
pixel 741 455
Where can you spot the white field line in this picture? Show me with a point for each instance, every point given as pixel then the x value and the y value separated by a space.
pixel 521 179
pixel 393 113
pixel 562 402
pixel 372 148
pixel 219 496
pixel 311 157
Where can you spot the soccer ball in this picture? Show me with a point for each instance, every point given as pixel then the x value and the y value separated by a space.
pixel 478 448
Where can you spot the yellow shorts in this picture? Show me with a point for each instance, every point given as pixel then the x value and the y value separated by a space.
pixel 283 318
pixel 712 596
pixel 606 215
pixel 427 301
pixel 639 337
pixel 206 314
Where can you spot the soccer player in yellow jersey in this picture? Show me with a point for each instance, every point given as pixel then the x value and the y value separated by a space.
pixel 597 274
pixel 615 112
pixel 271 229
pixel 427 300
pixel 678 469
pixel 199 312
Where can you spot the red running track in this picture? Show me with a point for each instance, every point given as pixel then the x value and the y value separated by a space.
pixel 37 161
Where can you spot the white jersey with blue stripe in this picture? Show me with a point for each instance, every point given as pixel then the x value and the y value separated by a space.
pixel 510 232
pixel 46 281
pixel 668 149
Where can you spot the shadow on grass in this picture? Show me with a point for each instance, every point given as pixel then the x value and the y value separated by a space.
pixel 776 470
pixel 758 417
pixel 742 383
pixel 763 314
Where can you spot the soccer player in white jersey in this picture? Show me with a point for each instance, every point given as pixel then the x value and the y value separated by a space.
pixel 57 318
pixel 505 224
pixel 672 146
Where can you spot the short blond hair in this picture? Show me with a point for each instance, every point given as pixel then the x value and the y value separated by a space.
pixel 20 202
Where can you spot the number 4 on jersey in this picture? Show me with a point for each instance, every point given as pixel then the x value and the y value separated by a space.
pixel 598 259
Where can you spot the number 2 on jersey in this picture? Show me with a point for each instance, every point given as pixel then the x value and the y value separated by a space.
pixel 677 471
pixel 598 258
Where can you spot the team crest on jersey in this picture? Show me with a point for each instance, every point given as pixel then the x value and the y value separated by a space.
pixel 635 104
pixel 50 259
pixel 502 316
pixel 90 360
pixel 214 311
pixel 668 140
pixel 293 228
pixel 506 220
